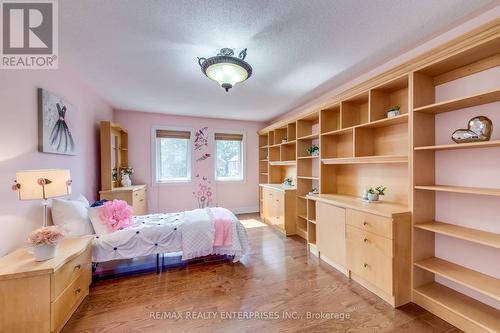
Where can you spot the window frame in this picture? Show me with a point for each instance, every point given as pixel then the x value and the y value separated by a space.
pixel 241 179
pixel 155 154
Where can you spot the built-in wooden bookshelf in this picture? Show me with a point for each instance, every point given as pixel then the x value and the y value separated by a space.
pixel 431 273
pixel 361 147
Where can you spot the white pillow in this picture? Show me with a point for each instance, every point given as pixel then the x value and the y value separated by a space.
pixel 72 216
pixel 101 229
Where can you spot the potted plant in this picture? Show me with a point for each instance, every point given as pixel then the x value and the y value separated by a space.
pixel 394 111
pixel 314 191
pixel 288 181
pixel 375 193
pixel 313 150
pixel 125 175
pixel 284 140
pixel 45 242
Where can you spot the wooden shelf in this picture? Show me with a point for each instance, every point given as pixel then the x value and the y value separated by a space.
pixel 461 189
pixel 468 234
pixel 262 147
pixel 462 103
pixel 283 163
pixel 309 137
pixel 307 157
pixel 306 177
pixel 289 142
pixel 264 173
pixel 302 217
pixel 339 131
pixel 302 197
pixel 301 232
pixel 467 277
pixel 367 160
pixel 265 160
pixel 482 144
pixel 312 221
pixel 402 118
pixel 443 301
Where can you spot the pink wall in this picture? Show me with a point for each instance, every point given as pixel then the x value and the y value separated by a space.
pixel 18 143
pixel 237 196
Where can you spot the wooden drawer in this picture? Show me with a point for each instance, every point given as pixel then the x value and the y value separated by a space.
pixel 70 271
pixel 376 224
pixel 70 298
pixel 369 241
pixel 140 194
pixel 370 264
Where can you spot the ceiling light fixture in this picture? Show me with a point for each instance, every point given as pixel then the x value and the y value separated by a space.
pixel 226 69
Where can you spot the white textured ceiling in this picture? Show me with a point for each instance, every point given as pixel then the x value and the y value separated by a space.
pixel 141 54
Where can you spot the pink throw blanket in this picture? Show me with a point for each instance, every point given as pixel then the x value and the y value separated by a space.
pixel 223 221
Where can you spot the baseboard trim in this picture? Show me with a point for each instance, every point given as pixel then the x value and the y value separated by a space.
pixel 245 210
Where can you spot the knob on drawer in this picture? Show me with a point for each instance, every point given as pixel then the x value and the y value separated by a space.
pixel 365 240
pixel 365 265
pixel 365 223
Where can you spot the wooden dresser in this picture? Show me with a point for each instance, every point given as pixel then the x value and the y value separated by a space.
pixel 369 242
pixel 277 207
pixel 42 296
pixel 135 196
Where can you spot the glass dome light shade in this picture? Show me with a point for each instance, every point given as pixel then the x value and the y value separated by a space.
pixel 227 73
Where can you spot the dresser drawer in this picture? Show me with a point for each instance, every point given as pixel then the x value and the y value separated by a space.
pixel 369 242
pixel 140 193
pixel 70 271
pixel 371 265
pixel 72 296
pixel 376 224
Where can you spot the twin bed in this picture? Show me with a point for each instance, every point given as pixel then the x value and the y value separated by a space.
pixel 191 234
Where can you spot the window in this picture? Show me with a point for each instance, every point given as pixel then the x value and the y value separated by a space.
pixel 229 156
pixel 173 156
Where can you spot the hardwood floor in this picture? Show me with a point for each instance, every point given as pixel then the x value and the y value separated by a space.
pixel 277 276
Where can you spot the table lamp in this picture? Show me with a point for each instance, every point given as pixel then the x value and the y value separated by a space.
pixel 42 185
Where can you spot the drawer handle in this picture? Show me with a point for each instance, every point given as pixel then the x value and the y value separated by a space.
pixel 365 265
pixel 77 291
pixel 365 240
pixel 365 223
pixel 141 200
pixel 78 266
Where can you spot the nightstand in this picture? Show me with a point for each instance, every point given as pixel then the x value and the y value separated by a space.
pixel 42 296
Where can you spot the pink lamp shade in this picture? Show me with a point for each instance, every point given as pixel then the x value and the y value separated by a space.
pixel 42 184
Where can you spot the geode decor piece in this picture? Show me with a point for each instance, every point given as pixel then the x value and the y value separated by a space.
pixel 479 129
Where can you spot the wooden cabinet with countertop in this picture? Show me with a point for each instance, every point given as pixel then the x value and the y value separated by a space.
pixel 278 207
pixel 368 242
pixel 42 296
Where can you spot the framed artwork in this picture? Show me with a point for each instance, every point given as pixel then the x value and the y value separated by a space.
pixel 54 124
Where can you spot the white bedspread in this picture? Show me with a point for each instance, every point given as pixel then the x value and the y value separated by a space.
pixel 189 232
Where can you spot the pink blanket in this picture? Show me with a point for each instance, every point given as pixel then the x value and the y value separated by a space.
pixel 223 221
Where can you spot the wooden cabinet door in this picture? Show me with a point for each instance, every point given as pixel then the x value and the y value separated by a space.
pixel 279 206
pixel 330 232
pixel 268 205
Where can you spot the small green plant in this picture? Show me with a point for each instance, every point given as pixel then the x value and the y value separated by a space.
pixel 313 150
pixel 380 190
pixel 314 190
pixel 288 181
pixel 395 108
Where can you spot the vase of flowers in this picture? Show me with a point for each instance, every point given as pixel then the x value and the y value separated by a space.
pixel 125 176
pixel 45 242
